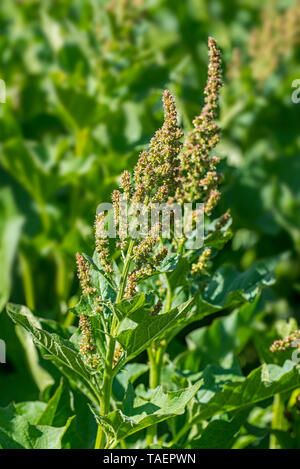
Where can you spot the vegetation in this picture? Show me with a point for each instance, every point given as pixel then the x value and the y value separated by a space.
pixel 157 344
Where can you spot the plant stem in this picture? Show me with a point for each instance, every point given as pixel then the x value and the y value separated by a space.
pixel 108 369
pixel 156 361
pixel 125 271
pixel 168 302
pixel 99 438
pixel 106 392
pixel 278 420
pixel 27 281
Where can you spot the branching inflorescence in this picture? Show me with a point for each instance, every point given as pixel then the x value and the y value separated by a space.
pixel 169 171
pixel 199 179
pixel 172 170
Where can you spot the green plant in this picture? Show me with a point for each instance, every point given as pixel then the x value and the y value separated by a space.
pixel 139 294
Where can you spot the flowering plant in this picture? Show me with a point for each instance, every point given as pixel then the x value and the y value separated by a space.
pixel 140 292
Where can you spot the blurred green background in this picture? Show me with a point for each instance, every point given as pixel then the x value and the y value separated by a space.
pixel 84 80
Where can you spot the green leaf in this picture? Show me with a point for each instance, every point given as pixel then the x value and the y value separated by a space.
pixel 26 167
pixel 62 350
pixel 261 384
pixel 16 432
pixel 178 276
pixel 220 342
pixel 83 428
pixel 78 109
pixel 100 280
pixel 144 411
pixel 31 410
pixel 41 377
pixel 129 373
pixel 10 229
pixel 75 380
pixel 85 306
pixel 169 263
pixel 128 306
pixel 136 334
pixel 229 287
pixel 219 434
pixel 58 409
pixel 218 238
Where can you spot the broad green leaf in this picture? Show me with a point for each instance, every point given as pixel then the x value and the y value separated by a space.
pixel 178 276
pixel 142 412
pixel 83 428
pixel 219 434
pixel 17 433
pixel 62 350
pixel 218 238
pixel 136 334
pixel 85 306
pixel 260 384
pixel 10 229
pixel 31 410
pixel 220 342
pixel 75 381
pixel 129 373
pixel 58 409
pixel 77 109
pixel 41 377
pixel 25 167
pixel 228 287
pixel 169 263
pixel 54 327
pixel 129 305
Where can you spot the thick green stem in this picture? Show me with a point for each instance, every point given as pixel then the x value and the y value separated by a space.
pixel 278 420
pixel 156 354
pixel 106 392
pixel 156 361
pixel 168 302
pixel 108 369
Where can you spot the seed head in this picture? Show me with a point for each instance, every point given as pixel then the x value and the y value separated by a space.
pixel 198 176
pixel 287 343
pixel 201 265
pixel 102 243
pixel 159 166
pixel 84 275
